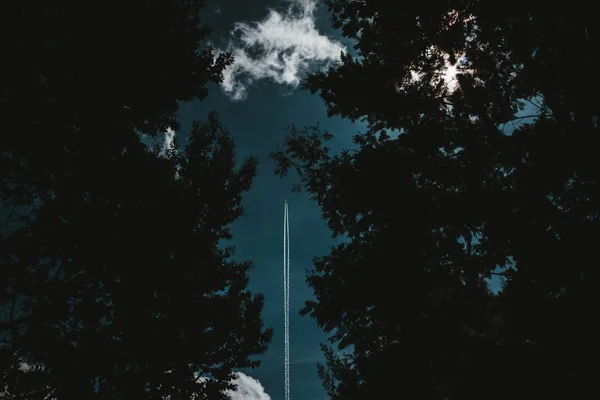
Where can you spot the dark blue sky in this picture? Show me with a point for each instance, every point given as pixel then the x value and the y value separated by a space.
pixel 258 126
pixel 275 43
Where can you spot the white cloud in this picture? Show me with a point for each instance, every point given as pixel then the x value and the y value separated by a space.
pixel 279 48
pixel 168 142
pixel 160 143
pixel 248 388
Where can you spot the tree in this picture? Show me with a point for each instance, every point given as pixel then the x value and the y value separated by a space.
pixel 79 77
pixel 129 294
pixel 521 202
pixel 113 283
pixel 79 86
pixel 401 293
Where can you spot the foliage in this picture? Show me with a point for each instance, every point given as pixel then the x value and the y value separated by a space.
pixel 454 200
pixel 113 281
pixel 75 77
pixel 130 281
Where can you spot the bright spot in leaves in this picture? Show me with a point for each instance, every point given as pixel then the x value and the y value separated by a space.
pixel 449 76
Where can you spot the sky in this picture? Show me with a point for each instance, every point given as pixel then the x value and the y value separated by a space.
pixel 275 42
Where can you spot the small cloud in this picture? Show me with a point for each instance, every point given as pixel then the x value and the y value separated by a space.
pixel 159 144
pixel 248 388
pixel 217 10
pixel 279 48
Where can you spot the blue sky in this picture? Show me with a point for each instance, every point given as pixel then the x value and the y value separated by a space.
pixel 276 43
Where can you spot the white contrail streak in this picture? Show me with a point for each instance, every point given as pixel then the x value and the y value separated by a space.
pixel 286 299
pixel 287 221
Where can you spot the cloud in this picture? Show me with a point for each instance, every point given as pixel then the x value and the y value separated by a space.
pixel 279 48
pixel 248 388
pixel 160 143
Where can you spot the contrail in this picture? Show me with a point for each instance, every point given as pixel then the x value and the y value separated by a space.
pixel 286 298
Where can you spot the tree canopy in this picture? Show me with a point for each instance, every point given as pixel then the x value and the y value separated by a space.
pixel 114 280
pixel 128 281
pixel 74 77
pixel 431 214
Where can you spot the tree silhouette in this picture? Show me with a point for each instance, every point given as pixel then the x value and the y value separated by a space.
pixel 78 77
pixel 402 294
pixel 129 293
pixel 454 200
pixel 114 283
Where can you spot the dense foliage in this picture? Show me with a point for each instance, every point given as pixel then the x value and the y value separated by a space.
pixel 464 193
pixel 113 280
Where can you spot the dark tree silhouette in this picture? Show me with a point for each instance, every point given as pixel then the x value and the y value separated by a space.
pixel 124 291
pixel 113 281
pixel 401 293
pixel 407 301
pixel 75 77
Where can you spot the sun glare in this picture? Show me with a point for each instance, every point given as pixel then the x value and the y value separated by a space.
pixel 450 71
pixel 449 76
